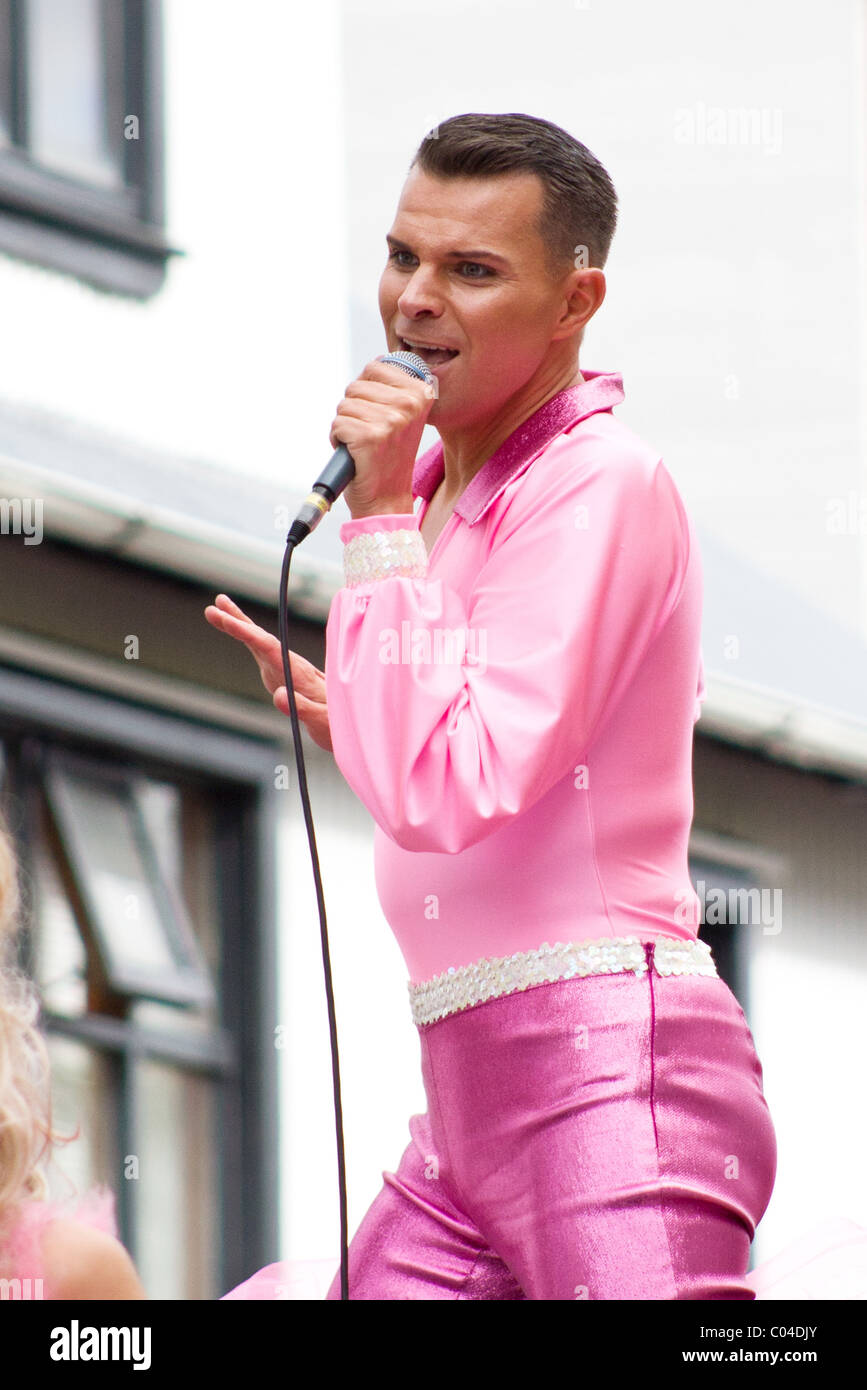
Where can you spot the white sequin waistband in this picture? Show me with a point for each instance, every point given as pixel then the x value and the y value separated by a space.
pixel 463 986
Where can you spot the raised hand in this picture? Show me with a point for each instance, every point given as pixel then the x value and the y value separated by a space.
pixel 307 681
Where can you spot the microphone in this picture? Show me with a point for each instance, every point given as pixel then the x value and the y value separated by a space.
pixel 340 469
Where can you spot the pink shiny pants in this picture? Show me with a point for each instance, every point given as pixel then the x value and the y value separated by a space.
pixel 602 1137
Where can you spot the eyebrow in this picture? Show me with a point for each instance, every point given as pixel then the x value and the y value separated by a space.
pixel 453 255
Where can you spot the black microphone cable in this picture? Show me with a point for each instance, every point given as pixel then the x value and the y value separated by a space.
pixel 323 927
pixel 317 504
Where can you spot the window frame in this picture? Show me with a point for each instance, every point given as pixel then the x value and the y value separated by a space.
pixel 241 1054
pixel 727 940
pixel 189 982
pixel 113 239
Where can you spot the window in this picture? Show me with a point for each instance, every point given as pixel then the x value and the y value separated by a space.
pixel 134 913
pixel 81 139
pixel 728 896
pixel 145 845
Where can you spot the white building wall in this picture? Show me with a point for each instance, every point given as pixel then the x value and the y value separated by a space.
pixel 735 280
pixel 241 358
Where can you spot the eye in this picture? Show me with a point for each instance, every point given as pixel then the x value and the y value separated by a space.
pixel 395 255
pixel 476 265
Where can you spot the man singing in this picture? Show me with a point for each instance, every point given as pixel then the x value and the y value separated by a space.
pixel 596 1124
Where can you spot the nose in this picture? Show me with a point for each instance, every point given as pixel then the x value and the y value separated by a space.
pixel 419 295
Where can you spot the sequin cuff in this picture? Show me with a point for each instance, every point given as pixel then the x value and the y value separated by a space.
pixel 373 555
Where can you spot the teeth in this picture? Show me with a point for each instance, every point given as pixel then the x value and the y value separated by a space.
pixel 427 347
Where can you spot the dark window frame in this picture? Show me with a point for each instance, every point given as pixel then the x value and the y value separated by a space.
pixel 189 982
pixel 727 939
pixel 112 239
pixel 242 1054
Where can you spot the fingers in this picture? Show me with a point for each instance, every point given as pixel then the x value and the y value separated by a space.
pixel 256 639
pixel 381 385
pixel 385 393
pixel 313 715
pixel 227 614
pixel 352 413
pixel 371 390
pixel 306 678
pixel 265 650
pixel 393 375
pixel 228 605
pixel 308 682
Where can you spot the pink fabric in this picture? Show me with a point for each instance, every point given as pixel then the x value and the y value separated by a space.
pixel 604 1137
pixel 827 1262
pixel 286 1279
pixel 539 789
pixel 21 1235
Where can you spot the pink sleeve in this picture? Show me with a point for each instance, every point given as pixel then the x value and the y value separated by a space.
pixel 564 606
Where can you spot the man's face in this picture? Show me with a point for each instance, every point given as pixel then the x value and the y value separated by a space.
pixel 467 271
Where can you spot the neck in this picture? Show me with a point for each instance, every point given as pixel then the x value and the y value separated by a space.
pixel 466 450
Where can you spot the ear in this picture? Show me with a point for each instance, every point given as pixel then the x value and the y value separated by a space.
pixel 583 291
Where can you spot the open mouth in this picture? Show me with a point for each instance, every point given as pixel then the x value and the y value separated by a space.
pixel 433 356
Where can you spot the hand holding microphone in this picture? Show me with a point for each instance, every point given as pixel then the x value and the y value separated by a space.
pixel 380 419
pixel 376 434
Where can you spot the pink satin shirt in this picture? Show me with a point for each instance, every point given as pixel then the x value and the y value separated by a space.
pixel 519 719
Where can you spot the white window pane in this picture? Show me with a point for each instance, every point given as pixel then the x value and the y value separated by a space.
pixel 81 1100
pixel 145 937
pixel 135 925
pixel 61 960
pixel 68 100
pixel 178 1186
pixel 117 877
pixel 5 72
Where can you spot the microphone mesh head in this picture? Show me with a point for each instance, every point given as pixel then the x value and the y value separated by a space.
pixel 414 365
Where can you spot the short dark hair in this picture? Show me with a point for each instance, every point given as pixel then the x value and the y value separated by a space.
pixel 580 202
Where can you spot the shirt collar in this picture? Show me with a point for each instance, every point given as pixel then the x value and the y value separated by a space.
pixel 598 391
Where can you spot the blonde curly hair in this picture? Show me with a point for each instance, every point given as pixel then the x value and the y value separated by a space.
pixel 26 1135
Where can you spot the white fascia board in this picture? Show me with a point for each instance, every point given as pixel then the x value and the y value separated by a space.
pixel 789 730
pixel 145 533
